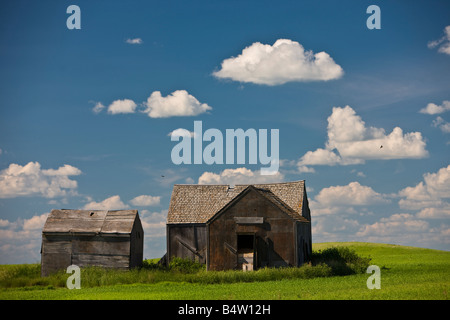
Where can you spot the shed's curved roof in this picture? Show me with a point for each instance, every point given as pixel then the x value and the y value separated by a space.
pixel 90 221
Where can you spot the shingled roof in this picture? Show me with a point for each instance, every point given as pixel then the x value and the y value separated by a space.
pixel 199 203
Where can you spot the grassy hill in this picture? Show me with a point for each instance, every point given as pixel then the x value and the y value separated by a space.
pixel 406 273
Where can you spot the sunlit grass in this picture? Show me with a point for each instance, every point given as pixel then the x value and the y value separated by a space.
pixel 406 273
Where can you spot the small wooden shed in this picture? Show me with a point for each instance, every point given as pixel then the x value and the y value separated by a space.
pixel 242 227
pixel 106 238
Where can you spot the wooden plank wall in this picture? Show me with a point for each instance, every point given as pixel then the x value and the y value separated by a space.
pixel 274 238
pixel 136 244
pixel 187 241
pixel 56 254
pixel 59 252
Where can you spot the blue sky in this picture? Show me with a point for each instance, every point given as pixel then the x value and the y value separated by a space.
pixel 86 115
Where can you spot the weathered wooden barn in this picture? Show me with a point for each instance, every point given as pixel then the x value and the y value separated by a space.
pixel 241 227
pixel 104 238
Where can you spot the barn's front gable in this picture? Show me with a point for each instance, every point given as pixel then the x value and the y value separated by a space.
pixel 256 229
pixel 91 237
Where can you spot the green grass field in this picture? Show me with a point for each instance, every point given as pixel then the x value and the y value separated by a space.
pixel 407 273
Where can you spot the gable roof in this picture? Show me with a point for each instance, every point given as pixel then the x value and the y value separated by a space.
pixel 265 194
pixel 90 221
pixel 199 203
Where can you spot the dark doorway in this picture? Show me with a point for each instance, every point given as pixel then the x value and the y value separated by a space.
pixel 245 251
pixel 245 242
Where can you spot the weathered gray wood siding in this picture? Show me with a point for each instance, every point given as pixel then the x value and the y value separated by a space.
pixel 56 253
pixel 187 241
pixel 110 239
pixel 136 244
pixel 101 251
pixel 59 252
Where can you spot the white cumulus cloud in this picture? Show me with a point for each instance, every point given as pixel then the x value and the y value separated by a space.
pixel 432 108
pixel 320 157
pixel 276 64
pixel 115 203
pixel 98 107
pixel 342 213
pixel 111 203
pixel 154 223
pixel 440 123
pixel 20 240
pixel 350 141
pixel 178 103
pixel 341 199
pixel 145 200
pixel 31 180
pixel 122 106
pixel 180 132
pixel 35 222
pixel 397 224
pixel 239 176
pixel 430 196
pixel 352 194
pixel 443 44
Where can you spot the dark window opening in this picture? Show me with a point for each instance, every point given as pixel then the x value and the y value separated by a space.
pixel 245 242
